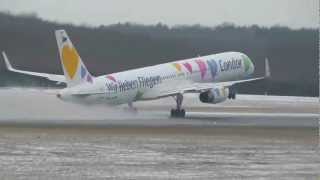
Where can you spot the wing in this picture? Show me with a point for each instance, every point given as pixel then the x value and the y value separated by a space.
pixel 201 87
pixel 231 83
pixel 51 77
pixel 205 86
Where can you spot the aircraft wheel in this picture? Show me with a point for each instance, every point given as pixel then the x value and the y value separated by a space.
pixel 232 95
pixel 183 113
pixel 173 113
pixel 176 113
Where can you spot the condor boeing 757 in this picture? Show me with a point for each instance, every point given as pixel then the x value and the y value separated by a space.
pixel 210 76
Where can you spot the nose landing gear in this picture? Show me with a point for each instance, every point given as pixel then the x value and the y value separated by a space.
pixel 131 108
pixel 178 112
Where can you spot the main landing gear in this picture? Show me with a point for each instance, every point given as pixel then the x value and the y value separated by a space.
pixel 178 112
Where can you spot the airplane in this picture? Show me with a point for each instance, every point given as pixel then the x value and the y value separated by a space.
pixel 212 77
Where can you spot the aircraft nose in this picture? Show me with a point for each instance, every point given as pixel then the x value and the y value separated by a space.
pixel 248 65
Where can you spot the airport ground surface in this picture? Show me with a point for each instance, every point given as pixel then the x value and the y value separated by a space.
pixel 252 137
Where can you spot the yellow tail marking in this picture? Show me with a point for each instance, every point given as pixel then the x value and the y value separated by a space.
pixel 70 60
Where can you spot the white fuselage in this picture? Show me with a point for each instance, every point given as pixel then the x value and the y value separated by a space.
pixel 157 81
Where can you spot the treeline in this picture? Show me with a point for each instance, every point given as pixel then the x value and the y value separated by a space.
pixel 31 45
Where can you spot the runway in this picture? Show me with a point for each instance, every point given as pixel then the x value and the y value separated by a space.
pixel 252 137
pixel 193 119
pixel 36 107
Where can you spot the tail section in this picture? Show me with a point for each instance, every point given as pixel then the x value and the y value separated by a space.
pixel 74 70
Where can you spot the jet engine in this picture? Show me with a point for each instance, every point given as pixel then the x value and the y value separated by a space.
pixel 216 95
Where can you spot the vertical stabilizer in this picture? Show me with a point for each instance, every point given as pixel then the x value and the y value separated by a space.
pixel 74 70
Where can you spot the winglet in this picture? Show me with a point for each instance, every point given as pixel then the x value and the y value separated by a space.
pixel 267 69
pixel 7 62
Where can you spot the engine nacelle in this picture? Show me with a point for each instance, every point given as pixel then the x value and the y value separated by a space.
pixel 215 95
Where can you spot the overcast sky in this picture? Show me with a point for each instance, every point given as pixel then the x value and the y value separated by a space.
pixel 292 13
